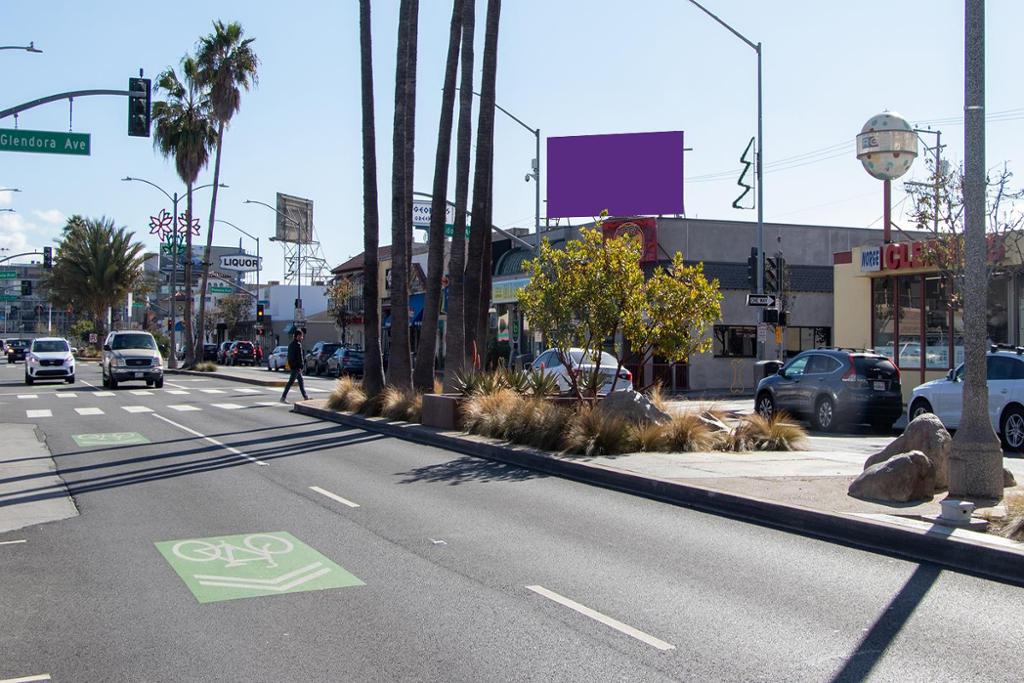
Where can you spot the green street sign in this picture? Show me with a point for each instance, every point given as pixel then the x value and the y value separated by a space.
pixel 449 230
pixel 8 297
pixel 252 565
pixel 44 142
pixel 220 289
pixel 8 274
pixel 110 439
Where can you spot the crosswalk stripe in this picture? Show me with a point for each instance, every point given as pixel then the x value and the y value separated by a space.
pixel 317 391
pixel 227 406
pixel 177 392
pixel 141 392
pixel 66 394
pixel 271 403
pixel 183 407
pixel 102 394
pixel 88 411
pixel 249 391
pixel 137 409
pixel 212 391
pixel 38 413
pixel 28 395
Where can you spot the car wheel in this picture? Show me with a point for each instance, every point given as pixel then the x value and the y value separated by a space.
pixel 159 384
pixel 113 383
pixel 919 407
pixel 28 380
pixel 106 381
pixel 149 382
pixel 765 405
pixel 70 380
pixel 824 418
pixel 1011 428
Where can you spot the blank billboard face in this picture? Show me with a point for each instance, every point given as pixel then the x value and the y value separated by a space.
pixel 629 174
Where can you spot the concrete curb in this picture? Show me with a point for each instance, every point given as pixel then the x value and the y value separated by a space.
pixel 231 378
pixel 928 545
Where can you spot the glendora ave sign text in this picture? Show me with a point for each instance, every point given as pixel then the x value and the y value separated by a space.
pixel 44 142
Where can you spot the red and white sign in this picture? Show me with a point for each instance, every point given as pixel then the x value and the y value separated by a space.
pixel 645 228
pixel 921 254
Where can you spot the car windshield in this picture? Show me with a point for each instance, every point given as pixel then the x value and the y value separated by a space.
pixel 281 349
pixel 49 346
pixel 606 358
pixel 18 343
pixel 133 341
pixel 873 367
pixel 330 348
pixel 245 345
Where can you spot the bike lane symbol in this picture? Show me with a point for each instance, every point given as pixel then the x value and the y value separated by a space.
pixel 251 565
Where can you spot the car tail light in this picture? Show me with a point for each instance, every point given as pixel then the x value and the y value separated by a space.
pixel 850 377
pixel 626 375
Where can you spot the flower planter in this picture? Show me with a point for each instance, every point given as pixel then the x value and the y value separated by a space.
pixel 442 411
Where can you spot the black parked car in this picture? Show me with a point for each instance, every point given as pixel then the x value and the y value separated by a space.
pixel 345 361
pixel 16 349
pixel 242 353
pixel 316 359
pixel 832 387
pixel 210 352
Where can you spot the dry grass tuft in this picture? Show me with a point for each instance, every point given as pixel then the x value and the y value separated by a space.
pixel 590 432
pixel 401 404
pixel 348 395
pixel 687 432
pixel 490 414
pixel 1012 526
pixel 649 437
pixel 206 366
pixel 754 433
pixel 657 398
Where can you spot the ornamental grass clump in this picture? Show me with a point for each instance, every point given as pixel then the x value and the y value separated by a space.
pixel 1012 525
pixel 206 366
pixel 755 433
pixel 348 395
pixel 490 414
pixel 688 433
pixel 590 432
pixel 401 404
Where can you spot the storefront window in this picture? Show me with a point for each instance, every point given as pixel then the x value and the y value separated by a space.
pixel 909 289
pixel 958 337
pixel 998 309
pixel 802 338
pixel 936 331
pixel 882 315
pixel 735 341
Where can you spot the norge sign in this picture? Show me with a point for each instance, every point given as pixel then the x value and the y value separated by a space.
pixel 239 262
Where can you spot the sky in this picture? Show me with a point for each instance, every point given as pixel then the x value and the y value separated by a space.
pixel 568 67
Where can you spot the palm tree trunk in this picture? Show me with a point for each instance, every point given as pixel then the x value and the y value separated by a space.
pixel 209 234
pixel 478 300
pixel 423 375
pixel 373 368
pixel 455 342
pixel 399 360
pixel 190 354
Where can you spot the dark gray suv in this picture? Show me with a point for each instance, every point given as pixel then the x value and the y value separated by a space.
pixel 832 387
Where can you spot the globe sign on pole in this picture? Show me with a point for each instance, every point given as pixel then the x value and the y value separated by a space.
pixel 887 146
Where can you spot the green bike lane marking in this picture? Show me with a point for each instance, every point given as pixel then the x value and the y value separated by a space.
pixel 221 568
pixel 110 439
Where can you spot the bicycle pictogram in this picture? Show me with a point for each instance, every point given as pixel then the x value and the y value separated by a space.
pixel 254 548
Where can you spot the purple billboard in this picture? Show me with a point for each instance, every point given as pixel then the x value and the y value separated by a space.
pixel 629 174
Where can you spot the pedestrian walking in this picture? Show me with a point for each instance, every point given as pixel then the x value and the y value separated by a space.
pixel 295 363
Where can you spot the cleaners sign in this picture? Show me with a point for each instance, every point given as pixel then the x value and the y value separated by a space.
pixel 239 263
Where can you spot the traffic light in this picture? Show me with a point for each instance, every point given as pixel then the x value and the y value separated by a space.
pixel 259 314
pixel 48 257
pixel 752 270
pixel 26 288
pixel 771 277
pixel 170 323
pixel 138 107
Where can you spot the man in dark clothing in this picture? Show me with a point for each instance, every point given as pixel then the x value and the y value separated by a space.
pixel 295 363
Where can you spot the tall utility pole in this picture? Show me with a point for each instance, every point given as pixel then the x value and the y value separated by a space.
pixel 976 461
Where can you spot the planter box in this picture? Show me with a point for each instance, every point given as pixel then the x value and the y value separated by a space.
pixel 441 411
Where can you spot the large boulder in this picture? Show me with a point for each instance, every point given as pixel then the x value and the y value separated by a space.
pixel 926 434
pixel 901 478
pixel 634 406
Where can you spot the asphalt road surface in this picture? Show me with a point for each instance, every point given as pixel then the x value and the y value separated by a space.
pixel 222 537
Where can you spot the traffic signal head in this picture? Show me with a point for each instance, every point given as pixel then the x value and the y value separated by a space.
pixel 139 93
pixel 752 270
pixel 771 277
pixel 26 288
pixel 259 313
pixel 48 257
pixel 169 324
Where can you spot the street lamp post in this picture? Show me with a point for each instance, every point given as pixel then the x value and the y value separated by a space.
pixel 259 263
pixel 172 361
pixel 31 47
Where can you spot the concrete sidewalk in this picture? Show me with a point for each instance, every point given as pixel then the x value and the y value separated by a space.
pixel 803 491
pixel 26 466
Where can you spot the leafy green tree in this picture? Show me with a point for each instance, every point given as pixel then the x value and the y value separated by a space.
pixel 95 266
pixel 234 309
pixel 594 291
pixel 185 131
pixel 338 294
pixel 227 65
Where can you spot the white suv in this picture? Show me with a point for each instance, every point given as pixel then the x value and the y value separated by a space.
pixel 1005 375
pixel 49 358
pixel 132 355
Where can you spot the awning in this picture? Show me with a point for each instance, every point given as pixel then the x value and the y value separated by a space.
pixel 415 311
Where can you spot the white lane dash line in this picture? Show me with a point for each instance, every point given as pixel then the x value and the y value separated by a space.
pixel 334 496
pixel 227 406
pixel 21 540
pixel 28 395
pixel 137 409
pixel 211 440
pixel 28 679
pixel 30 414
pixel 66 394
pixel 604 619
pixel 183 407
pixel 88 411
pixel 177 392
pixel 212 391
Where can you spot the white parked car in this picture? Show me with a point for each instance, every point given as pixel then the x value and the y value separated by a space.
pixel 552 365
pixel 49 358
pixel 278 358
pixel 944 397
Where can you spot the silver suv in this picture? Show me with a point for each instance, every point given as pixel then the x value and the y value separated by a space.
pixel 132 355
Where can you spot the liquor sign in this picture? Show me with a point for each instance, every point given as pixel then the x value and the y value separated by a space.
pixel 239 262
pixel 44 142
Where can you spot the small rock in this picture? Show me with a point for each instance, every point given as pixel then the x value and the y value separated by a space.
pixel 901 478
pixel 633 406
pixel 1008 479
pixel 926 434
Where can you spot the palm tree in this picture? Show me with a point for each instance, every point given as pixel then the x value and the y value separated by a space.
pixel 373 367
pixel 455 341
pixel 478 266
pixel 227 65
pixel 423 374
pixel 399 360
pixel 97 264
pixel 184 130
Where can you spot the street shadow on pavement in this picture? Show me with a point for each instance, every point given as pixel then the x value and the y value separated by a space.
pixel 268 448
pixel 467 469
pixel 873 646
